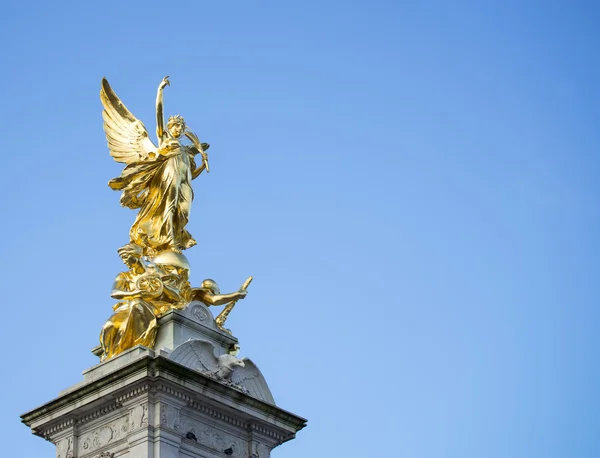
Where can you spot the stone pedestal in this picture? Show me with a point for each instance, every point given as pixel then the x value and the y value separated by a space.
pixel 143 404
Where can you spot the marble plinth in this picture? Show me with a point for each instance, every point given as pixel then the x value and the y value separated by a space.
pixel 143 405
pixel 151 403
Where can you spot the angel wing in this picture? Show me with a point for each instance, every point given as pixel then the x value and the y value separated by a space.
pixel 196 354
pixel 127 137
pixel 252 379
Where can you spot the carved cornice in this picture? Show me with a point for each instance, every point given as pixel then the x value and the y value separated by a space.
pixel 218 415
pixel 84 405
pixel 107 408
pixel 266 432
pixel 99 412
pixel 61 426
pixel 191 402
pixel 185 397
pixel 56 428
pixel 134 393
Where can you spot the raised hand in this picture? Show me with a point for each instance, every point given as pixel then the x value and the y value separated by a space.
pixel 165 82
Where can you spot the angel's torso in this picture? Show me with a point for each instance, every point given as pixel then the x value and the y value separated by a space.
pixel 171 147
pixel 168 143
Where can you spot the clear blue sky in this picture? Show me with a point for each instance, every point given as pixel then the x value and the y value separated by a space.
pixel 413 185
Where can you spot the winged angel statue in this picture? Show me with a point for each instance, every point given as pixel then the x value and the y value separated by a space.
pixel 156 180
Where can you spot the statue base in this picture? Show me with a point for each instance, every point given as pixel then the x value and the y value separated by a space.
pixel 144 404
pixel 196 321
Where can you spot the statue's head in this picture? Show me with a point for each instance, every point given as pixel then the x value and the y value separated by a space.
pixel 176 126
pixel 130 254
pixel 172 262
pixel 211 285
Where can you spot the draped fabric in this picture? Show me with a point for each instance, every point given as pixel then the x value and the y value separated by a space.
pixel 162 190
pixel 135 321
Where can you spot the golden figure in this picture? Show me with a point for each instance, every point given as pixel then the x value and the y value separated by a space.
pixel 145 291
pixel 158 181
pixel 210 294
pixel 222 317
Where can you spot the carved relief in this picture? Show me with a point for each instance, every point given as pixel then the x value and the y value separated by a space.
pixel 139 416
pixel 106 455
pixel 260 450
pixel 64 448
pixel 169 416
pixel 103 435
pixel 199 313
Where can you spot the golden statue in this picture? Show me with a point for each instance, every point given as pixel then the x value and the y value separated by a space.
pixel 148 290
pixel 210 294
pixel 158 181
pixel 145 292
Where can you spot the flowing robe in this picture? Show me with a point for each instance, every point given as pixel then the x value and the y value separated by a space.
pixel 133 323
pixel 162 189
pixel 135 320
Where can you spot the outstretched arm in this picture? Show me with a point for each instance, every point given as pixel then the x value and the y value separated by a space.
pixel 160 118
pixel 209 298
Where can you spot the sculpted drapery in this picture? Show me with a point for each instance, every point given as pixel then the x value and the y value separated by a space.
pixel 157 181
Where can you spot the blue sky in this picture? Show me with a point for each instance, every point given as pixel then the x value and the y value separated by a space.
pixel 413 185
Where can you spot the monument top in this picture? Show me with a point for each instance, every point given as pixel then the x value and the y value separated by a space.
pixel 169 383
pixel 156 181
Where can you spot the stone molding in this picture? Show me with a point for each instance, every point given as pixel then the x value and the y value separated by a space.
pixel 218 415
pixel 134 393
pixel 153 400
pixel 267 432
pixel 56 428
pixel 144 388
pixel 102 411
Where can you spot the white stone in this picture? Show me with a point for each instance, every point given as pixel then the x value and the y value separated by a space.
pixel 143 405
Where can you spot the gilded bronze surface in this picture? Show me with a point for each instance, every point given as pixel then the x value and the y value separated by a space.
pixel 220 319
pixel 156 181
pixel 145 291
